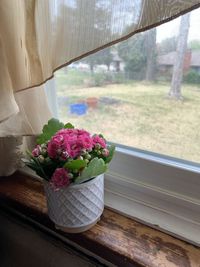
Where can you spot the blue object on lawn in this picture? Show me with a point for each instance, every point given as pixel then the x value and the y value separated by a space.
pixel 78 108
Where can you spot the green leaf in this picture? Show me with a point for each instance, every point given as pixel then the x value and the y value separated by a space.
pixel 49 130
pixel 68 126
pixel 111 149
pixel 75 164
pixel 101 135
pixel 95 167
pixel 36 166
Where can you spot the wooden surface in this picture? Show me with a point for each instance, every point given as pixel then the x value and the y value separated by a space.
pixel 117 239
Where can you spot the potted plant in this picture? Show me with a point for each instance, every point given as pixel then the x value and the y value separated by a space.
pixel 72 163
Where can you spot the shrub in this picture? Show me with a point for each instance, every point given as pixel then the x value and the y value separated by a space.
pixel 99 79
pixel 192 77
pixel 119 77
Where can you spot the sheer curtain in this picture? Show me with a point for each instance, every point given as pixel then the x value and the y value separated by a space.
pixel 38 37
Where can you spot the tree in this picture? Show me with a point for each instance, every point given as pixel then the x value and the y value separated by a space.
pixel 194 45
pixel 150 37
pixel 99 25
pixel 132 51
pixel 167 45
pixel 96 26
pixel 92 60
pixel 105 57
pixel 175 90
pixel 102 57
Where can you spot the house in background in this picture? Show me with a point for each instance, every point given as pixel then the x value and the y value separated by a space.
pixel 191 62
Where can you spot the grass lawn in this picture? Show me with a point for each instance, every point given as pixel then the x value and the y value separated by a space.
pixel 137 114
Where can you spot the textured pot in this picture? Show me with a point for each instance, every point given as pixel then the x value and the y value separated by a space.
pixel 76 208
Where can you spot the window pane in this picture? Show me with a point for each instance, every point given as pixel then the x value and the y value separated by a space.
pixel 143 92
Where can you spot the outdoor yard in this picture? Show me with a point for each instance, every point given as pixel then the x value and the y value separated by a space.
pixel 135 114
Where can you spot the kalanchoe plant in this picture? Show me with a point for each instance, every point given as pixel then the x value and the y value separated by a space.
pixel 65 155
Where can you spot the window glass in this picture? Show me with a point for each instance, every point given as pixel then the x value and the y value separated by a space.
pixel 143 92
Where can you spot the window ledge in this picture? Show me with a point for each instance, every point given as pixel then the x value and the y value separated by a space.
pixel 115 239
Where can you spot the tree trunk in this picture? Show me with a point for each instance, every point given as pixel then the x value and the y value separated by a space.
pixel 91 68
pixel 151 54
pixel 175 90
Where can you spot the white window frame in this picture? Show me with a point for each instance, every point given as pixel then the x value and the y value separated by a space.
pixel 157 190
pixel 161 191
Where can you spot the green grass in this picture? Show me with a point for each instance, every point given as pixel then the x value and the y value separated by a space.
pixel 144 117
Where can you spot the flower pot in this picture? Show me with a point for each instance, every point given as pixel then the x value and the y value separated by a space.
pixel 78 207
pixel 92 102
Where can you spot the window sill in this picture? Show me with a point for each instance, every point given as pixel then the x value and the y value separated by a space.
pixel 116 239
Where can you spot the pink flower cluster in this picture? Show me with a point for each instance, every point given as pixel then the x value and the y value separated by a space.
pixel 99 140
pixel 71 142
pixel 59 178
pixel 68 144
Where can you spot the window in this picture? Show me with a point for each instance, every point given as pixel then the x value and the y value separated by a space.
pixel 131 93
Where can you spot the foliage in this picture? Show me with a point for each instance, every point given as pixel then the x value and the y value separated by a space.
pixel 65 155
pixel 102 78
pixel 92 60
pixel 102 57
pixel 194 45
pixel 105 57
pixel 49 130
pixel 133 53
pixel 99 79
pixel 167 45
pixel 118 77
pixel 192 77
pixel 94 168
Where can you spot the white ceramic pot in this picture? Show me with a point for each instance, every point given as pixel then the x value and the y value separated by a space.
pixel 76 208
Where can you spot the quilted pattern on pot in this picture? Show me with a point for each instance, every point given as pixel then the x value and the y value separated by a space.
pixel 78 205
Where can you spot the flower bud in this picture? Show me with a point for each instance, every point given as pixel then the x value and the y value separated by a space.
pixel 87 161
pixel 36 151
pixel 44 152
pixel 83 151
pixel 70 175
pixel 80 157
pixel 87 156
pixel 43 146
pixel 41 159
pixel 97 146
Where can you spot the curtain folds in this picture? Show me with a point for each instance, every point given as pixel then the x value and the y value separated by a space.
pixel 39 36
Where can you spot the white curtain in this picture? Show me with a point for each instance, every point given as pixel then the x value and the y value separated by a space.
pixel 39 36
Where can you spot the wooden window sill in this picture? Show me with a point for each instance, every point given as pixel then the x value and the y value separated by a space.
pixel 115 238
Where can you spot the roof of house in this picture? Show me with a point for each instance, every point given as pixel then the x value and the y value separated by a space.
pixel 169 59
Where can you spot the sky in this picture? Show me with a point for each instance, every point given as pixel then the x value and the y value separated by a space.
pixel 171 28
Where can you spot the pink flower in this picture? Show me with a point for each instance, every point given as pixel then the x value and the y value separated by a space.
pixel 36 151
pixel 55 146
pixel 69 142
pixel 59 178
pixel 99 140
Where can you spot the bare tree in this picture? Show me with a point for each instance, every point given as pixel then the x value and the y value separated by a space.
pixel 175 90
pixel 151 54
